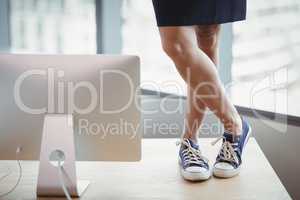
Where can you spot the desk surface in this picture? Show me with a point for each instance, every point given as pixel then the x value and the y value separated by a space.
pixel 157 177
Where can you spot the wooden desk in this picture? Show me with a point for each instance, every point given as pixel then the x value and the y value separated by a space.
pixel 157 177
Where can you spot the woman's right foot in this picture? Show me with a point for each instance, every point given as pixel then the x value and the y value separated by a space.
pixel 193 166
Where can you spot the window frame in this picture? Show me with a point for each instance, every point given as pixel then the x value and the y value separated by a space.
pixel 108 26
pixel 4 26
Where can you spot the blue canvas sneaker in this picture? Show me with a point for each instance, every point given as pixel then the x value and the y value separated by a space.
pixel 229 160
pixel 193 166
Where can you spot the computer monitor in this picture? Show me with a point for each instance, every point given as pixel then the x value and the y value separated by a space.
pixel 97 96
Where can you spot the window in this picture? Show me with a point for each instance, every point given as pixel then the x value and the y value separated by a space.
pixel 264 73
pixel 53 26
pixel 265 70
pixel 141 37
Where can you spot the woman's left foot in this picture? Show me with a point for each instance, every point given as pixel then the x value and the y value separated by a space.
pixel 229 160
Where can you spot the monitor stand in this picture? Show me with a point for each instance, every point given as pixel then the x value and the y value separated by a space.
pixel 58 134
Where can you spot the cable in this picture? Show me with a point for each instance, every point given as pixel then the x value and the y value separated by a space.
pixel 60 174
pixel 6 175
pixel 20 174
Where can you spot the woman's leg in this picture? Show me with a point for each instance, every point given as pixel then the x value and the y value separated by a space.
pixel 198 70
pixel 208 41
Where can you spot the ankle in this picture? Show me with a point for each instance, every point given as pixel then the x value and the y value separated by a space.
pixel 190 137
pixel 233 126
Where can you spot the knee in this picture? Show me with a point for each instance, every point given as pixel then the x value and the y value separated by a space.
pixel 173 49
pixel 177 50
pixel 207 37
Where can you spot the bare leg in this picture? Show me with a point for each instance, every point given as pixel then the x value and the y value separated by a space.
pixel 198 70
pixel 208 41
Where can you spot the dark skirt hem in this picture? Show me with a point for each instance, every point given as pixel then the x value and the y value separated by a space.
pixel 198 12
pixel 191 23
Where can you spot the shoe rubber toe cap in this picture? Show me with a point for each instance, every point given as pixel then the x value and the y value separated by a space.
pixel 196 169
pixel 223 166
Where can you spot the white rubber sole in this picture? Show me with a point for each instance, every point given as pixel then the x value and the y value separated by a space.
pixel 221 173
pixel 228 173
pixel 194 176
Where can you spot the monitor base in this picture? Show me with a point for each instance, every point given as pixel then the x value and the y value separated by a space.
pixel 58 136
pixel 82 186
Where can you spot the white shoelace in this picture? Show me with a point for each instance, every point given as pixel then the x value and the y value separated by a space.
pixel 192 155
pixel 227 152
